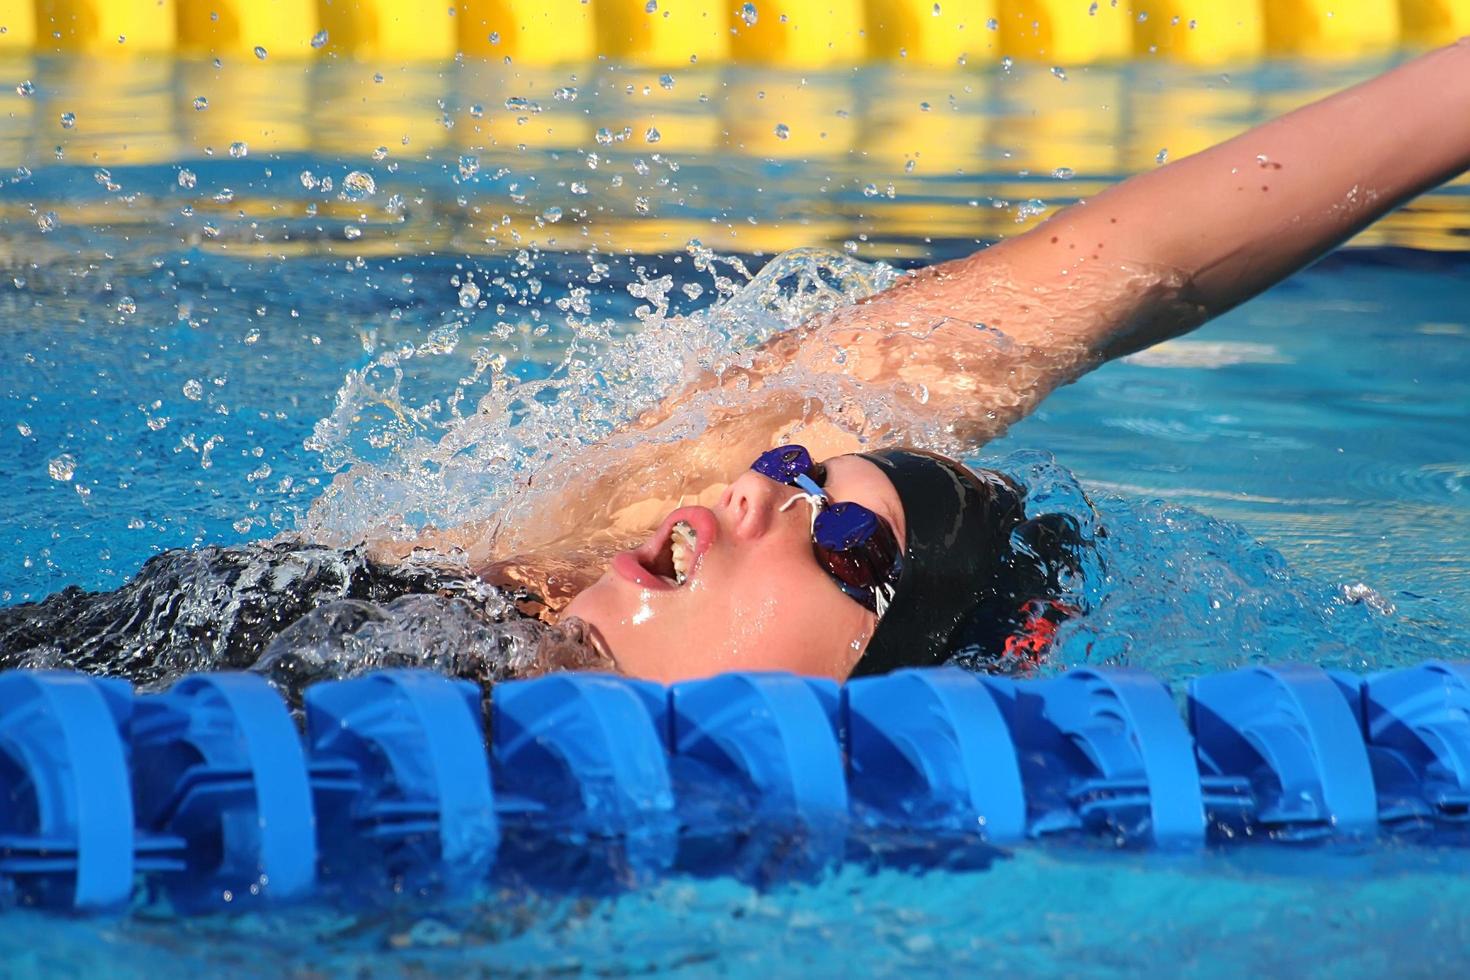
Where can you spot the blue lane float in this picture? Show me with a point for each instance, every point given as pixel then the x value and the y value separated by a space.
pixel 208 795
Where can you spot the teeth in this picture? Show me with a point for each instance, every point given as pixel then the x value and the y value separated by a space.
pixel 682 540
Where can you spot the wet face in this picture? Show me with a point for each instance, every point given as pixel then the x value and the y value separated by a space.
pixel 753 595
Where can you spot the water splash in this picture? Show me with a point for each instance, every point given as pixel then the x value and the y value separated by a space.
pixel 449 460
pixel 1178 593
pixel 297 614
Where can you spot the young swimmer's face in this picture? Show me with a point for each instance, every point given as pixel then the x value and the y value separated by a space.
pixel 755 596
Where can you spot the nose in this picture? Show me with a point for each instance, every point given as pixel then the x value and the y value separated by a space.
pixel 753 503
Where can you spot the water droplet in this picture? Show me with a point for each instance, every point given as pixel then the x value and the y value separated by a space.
pixel 352 233
pixel 260 52
pixel 469 295
pixel 1063 173
pixel 319 39
pixel 477 110
pixel 517 103
pixel 187 178
pixel 653 135
pixel 358 186
pixel 380 153
pixel 46 221
pixel 62 467
pixel 193 390
pixel 200 103
pixel 127 305
pixel 604 136
pixel 936 10
pixel 666 81
pixel 1143 17
pixel 23 429
pixel 68 120
pixel 783 131
pixel 565 94
pixel 1162 155
pixel 650 7
pixel 870 190
pixel 468 167
pixel 1029 209
pixel 1006 63
pixel 239 149
pixel 578 187
pixel 992 24
pixel 1059 72
pixel 552 214
pixel 641 205
pixel 749 14
pixel 25 89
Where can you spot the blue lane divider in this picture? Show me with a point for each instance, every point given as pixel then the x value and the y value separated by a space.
pixel 400 781
pixel 583 778
pixel 929 750
pixel 1291 733
pixel 217 761
pixel 67 832
pixel 1418 730
pixel 759 774
pixel 1105 752
pixel 208 796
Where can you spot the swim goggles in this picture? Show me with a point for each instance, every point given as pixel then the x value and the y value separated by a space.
pixel 855 546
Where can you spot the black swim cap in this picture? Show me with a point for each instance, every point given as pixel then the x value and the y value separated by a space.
pixel 959 525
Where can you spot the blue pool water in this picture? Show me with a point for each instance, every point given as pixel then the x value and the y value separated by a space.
pixel 1290 482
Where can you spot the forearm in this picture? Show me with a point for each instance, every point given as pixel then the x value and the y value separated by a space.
pixel 1241 216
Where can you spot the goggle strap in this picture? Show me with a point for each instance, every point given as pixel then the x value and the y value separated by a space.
pixel 809 485
pixel 817 503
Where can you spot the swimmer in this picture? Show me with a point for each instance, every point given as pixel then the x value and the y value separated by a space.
pixel 741 572
pixel 791 532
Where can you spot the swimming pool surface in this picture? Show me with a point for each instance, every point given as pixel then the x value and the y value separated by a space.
pixel 184 294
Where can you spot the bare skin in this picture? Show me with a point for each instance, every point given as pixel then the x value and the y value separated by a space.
pixel 1149 259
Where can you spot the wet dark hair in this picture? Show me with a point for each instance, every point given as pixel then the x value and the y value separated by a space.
pixel 972 563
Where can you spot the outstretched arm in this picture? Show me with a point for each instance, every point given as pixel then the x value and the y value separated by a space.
pixel 1146 260
pixel 1243 215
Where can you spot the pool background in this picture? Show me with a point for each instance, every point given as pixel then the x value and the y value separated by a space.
pixel 1326 418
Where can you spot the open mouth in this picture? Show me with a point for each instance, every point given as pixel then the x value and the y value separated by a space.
pixel 676 558
pixel 670 559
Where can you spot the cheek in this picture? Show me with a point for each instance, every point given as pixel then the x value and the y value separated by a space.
pixel 774 611
pixel 651 635
pixel 793 618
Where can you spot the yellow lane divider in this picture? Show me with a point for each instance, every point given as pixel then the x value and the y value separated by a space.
pixel 97 26
pixel 17 26
pixel 1200 31
pixel 927 32
pixel 538 32
pixel 1065 31
pixel 786 33
pixel 1331 28
pixel 237 28
pixel 799 33
pixel 1434 21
